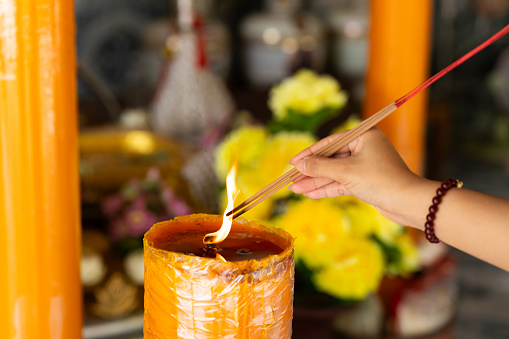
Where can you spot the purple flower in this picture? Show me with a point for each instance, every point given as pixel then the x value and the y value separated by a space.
pixel 167 194
pixel 140 204
pixel 174 205
pixel 179 207
pixel 112 205
pixel 138 220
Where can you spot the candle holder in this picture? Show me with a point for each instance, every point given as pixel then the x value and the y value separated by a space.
pixel 192 296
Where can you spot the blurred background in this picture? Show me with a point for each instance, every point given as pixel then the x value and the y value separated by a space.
pixel 162 84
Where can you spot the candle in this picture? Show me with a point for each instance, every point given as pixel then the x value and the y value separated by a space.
pixel 249 294
pixel 398 62
pixel 40 289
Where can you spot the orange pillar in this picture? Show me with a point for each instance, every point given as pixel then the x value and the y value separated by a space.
pixel 40 290
pixel 398 62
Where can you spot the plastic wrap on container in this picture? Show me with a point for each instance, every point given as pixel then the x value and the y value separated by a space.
pixel 197 297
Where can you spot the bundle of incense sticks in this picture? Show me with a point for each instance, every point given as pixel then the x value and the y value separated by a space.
pixel 333 147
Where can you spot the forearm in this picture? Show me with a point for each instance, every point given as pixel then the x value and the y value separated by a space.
pixel 470 221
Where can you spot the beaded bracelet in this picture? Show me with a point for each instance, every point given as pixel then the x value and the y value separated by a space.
pixel 429 230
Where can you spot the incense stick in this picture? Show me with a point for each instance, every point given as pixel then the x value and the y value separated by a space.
pixel 326 151
pixel 337 144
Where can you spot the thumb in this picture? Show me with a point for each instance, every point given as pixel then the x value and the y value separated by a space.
pixel 316 166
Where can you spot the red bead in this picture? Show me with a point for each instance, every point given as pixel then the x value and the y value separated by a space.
pixel 441 192
pixel 433 209
pixel 437 200
pixel 430 217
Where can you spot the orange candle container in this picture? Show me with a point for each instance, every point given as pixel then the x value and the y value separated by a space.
pixel 197 297
pixel 40 287
pixel 398 62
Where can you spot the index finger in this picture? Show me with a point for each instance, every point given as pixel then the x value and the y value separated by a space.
pixel 315 148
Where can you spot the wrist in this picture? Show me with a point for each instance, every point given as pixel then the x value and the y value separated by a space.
pixel 411 200
pixel 423 194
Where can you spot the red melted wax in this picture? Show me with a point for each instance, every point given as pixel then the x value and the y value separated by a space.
pixel 241 244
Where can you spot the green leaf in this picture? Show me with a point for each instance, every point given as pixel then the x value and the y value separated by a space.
pixel 392 253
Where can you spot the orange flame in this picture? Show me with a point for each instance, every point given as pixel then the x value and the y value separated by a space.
pixel 220 257
pixel 232 191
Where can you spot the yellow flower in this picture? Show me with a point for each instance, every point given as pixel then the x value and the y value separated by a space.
pixel 244 144
pixel 356 271
pixel 409 261
pixel 278 152
pixel 362 216
pixel 261 160
pixel 387 230
pixel 320 229
pixel 305 93
pixel 261 213
pixel 366 220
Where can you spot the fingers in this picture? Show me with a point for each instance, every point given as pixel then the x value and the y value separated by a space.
pixel 316 166
pixel 308 184
pixel 313 149
pixel 299 178
pixel 333 189
pixel 368 167
pixel 342 155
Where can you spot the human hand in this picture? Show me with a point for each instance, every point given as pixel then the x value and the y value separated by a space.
pixel 368 168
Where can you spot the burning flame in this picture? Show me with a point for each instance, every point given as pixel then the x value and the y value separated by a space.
pixel 220 257
pixel 232 191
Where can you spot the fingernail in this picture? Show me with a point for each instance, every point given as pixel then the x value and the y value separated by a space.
pixel 304 194
pixel 290 187
pixel 301 165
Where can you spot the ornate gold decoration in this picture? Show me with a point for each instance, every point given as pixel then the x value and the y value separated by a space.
pixel 116 298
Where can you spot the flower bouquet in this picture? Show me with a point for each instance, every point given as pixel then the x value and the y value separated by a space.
pixel 139 205
pixel 305 101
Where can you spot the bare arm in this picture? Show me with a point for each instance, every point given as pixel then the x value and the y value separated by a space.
pixel 371 169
